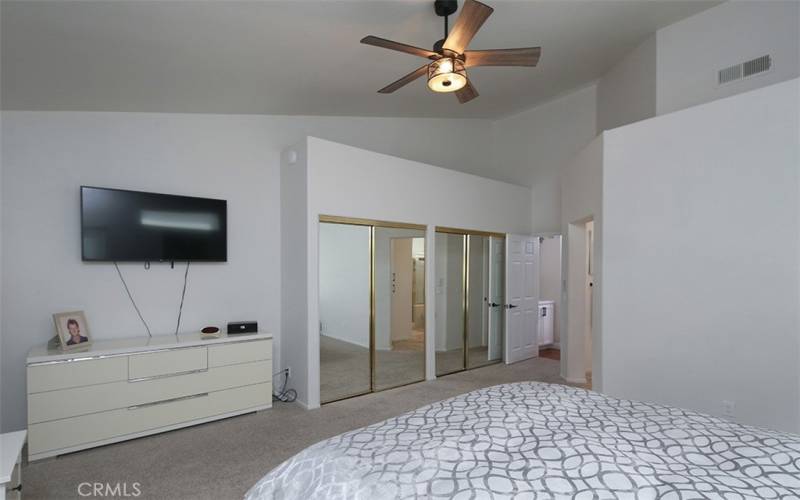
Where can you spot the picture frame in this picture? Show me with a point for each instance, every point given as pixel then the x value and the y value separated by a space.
pixel 72 330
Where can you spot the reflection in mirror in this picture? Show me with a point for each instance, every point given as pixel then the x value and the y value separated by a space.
pixel 399 306
pixel 497 297
pixel 450 250
pixel 344 310
pixel 485 298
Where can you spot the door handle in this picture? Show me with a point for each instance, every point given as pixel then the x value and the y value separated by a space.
pixel 510 306
pixel 494 304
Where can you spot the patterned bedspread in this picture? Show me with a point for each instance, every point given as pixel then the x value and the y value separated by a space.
pixel 542 441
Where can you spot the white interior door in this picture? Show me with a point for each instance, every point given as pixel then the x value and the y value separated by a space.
pixel 522 297
pixel 496 295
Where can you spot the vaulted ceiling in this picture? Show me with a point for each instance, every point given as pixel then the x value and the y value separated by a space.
pixel 300 57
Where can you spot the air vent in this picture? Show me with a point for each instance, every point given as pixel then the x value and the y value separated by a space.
pixel 755 66
pixel 744 70
pixel 731 74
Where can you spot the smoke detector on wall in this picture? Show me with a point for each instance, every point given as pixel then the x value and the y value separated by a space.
pixel 757 66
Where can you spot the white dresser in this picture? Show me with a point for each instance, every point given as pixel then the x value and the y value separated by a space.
pixel 122 389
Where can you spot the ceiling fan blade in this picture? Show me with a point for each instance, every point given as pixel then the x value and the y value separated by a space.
pixel 528 56
pixel 405 80
pixel 400 47
pixel 472 17
pixel 466 93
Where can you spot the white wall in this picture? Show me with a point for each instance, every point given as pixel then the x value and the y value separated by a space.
pixel 344 285
pixel 1 278
pixel 673 69
pixel 700 258
pixel 541 141
pixel 377 186
pixel 449 292
pixel 690 52
pixel 292 348
pixel 47 156
pixel 627 92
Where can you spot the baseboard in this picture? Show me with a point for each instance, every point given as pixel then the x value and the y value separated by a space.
pixel 301 404
pixel 575 380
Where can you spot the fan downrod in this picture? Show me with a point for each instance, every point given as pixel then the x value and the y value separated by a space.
pixel 444 8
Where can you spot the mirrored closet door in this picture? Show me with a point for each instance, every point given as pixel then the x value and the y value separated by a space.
pixel 372 306
pixel 470 274
pixel 344 310
pixel 399 307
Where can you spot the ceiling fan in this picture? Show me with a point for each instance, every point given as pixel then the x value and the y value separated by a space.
pixel 447 71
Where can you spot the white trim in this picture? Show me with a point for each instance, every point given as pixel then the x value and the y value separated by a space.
pixel 430 302
pixel 575 380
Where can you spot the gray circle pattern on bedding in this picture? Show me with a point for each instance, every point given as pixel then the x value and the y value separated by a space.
pixel 532 440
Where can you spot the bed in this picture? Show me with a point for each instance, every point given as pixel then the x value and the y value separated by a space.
pixel 540 441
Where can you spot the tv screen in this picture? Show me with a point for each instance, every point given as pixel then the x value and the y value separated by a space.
pixel 118 225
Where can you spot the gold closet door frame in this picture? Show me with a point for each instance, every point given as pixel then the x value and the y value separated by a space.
pixel 373 224
pixel 466 233
pixel 354 221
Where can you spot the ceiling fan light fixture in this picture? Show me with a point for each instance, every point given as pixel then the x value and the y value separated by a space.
pixel 446 75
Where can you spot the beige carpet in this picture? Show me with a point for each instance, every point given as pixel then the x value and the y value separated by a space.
pixel 222 460
pixel 344 367
pixel 453 360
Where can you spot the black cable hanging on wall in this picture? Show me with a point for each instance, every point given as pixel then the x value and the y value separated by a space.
pixel 183 295
pixel 116 266
pixel 136 307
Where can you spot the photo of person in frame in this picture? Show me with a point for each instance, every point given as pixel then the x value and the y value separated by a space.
pixel 72 329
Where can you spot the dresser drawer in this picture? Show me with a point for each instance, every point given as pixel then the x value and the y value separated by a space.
pixel 239 352
pixel 115 424
pixel 77 401
pixel 156 364
pixel 76 373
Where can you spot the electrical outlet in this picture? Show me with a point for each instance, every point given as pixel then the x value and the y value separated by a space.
pixel 728 408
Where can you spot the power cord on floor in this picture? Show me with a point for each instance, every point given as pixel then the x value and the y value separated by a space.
pixel 285 395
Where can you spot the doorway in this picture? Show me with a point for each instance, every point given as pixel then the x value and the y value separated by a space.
pixel 581 268
pixel 588 288
pixel 372 306
pixel 470 294
pixel 550 290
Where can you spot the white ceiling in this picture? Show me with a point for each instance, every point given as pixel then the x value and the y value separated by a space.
pixel 300 57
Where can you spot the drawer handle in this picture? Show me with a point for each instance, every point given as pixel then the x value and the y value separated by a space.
pixel 165 401
pixel 167 375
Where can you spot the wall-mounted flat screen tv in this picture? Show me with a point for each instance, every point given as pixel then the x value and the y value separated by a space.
pixel 133 226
